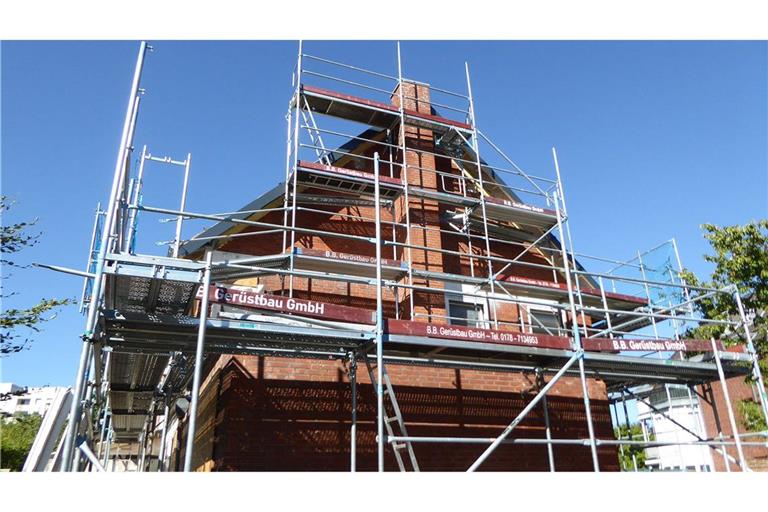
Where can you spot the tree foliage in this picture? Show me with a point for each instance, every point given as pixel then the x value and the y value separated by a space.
pixel 16 437
pixel 629 455
pixel 15 237
pixel 752 416
pixel 740 258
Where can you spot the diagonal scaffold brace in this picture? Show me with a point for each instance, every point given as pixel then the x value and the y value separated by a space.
pixel 531 405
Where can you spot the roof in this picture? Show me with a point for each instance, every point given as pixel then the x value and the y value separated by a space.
pixel 192 245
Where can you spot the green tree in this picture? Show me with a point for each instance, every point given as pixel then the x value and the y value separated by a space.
pixel 629 455
pixel 740 258
pixel 16 437
pixel 13 238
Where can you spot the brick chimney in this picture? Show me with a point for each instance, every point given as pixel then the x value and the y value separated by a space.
pixel 423 213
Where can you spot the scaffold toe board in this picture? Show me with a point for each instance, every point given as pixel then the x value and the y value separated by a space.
pixel 559 291
pixel 514 211
pixel 351 264
pixel 495 208
pixel 346 180
pixel 613 368
pixel 495 229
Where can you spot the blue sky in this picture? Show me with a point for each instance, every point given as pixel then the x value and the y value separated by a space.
pixel 654 139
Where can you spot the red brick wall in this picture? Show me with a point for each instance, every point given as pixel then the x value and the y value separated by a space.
pixel 294 415
pixel 715 412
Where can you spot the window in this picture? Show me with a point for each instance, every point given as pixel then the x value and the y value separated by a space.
pixel 543 321
pixel 23 401
pixel 465 313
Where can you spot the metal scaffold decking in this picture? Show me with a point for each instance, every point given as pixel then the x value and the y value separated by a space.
pixel 151 320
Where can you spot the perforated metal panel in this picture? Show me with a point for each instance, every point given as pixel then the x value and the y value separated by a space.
pixel 133 294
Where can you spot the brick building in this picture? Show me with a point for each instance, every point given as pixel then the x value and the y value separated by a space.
pixel 263 412
pixel 402 238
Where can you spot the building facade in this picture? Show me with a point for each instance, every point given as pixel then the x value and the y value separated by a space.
pixel 672 413
pixel 267 413
pixel 30 400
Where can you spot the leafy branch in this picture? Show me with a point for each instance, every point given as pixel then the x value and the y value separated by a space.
pixel 14 238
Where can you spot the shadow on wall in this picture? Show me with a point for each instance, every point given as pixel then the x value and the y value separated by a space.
pixel 302 425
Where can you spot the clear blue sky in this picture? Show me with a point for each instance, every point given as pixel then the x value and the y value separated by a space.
pixel 654 139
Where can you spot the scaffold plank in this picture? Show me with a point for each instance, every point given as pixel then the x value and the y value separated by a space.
pixel 373 113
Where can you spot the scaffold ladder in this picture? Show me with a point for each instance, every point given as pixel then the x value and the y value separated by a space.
pixel 394 419
pixel 314 134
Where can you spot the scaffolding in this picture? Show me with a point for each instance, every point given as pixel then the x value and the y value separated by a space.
pixel 151 319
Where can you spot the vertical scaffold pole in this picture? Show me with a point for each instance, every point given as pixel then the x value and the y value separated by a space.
pixel 476 148
pixel 93 307
pixel 110 437
pixel 757 374
pixel 729 406
pixel 547 429
pixel 142 449
pixel 295 161
pixel 180 219
pixel 574 319
pixel 629 427
pixel 152 432
pixel 379 321
pixel 528 408
pixel 103 429
pixel 696 414
pixel 134 213
pixel 286 191
pixel 105 380
pixel 648 295
pixel 718 425
pixel 686 292
pixel 605 306
pixel 570 245
pixel 353 426
pixel 198 364
pixel 161 455
pixel 406 184
pixel 123 193
pixel 94 235
pixel 104 392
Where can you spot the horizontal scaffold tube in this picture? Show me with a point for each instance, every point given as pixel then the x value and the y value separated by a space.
pixel 611 277
pixel 646 314
pixel 572 441
pixel 249 222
